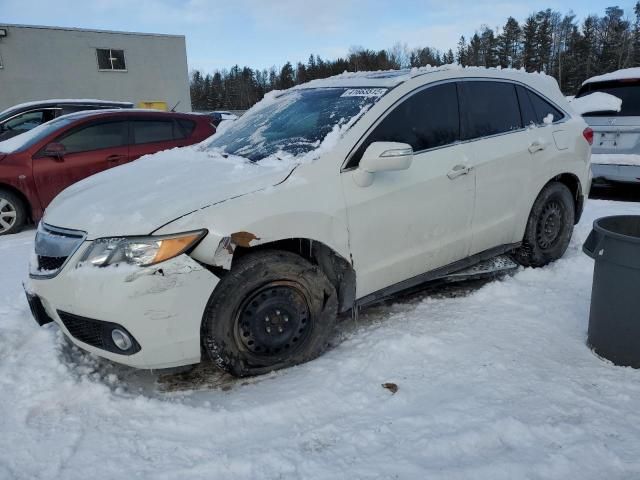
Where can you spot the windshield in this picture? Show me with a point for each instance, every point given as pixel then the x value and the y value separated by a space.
pixel 294 123
pixel 31 137
pixel 628 91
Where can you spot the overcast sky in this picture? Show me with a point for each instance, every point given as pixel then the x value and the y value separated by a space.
pixel 261 33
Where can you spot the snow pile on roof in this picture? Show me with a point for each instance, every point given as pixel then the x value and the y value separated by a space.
pixel 393 78
pixel 623 74
pixel 596 102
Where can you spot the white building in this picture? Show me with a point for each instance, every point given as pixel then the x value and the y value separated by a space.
pixel 38 63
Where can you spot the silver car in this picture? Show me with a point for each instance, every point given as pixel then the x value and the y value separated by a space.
pixel 616 143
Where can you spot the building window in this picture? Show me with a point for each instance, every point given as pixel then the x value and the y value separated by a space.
pixel 110 59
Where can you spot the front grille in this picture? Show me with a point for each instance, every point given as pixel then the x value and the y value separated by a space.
pixel 50 264
pixel 53 247
pixel 96 333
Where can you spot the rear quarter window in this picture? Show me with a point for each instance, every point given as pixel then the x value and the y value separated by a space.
pixel 544 108
pixel 488 108
pixel 185 127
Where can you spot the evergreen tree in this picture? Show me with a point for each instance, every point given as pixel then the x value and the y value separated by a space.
pixel 508 44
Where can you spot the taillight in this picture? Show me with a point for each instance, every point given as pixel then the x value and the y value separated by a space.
pixel 588 135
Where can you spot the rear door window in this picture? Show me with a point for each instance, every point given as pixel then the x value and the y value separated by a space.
pixel 427 119
pixel 627 90
pixel 151 131
pixel 488 108
pixel 529 116
pixel 96 136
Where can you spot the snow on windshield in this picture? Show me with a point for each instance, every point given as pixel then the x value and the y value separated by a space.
pixel 295 124
pixel 27 139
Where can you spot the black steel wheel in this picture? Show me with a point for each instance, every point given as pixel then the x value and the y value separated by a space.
pixel 274 319
pixel 274 309
pixel 549 227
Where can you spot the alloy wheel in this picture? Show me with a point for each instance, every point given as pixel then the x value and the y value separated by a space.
pixel 8 215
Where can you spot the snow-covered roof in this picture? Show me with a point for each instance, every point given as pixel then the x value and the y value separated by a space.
pixel 623 74
pixel 393 78
pixel 63 101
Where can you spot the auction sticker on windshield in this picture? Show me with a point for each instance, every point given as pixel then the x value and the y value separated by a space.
pixel 364 92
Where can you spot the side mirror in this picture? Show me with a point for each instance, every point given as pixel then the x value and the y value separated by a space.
pixel 382 157
pixel 55 150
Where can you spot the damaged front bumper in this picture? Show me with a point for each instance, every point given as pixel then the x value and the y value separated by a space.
pixel 160 307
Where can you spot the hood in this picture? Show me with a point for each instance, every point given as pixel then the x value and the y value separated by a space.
pixel 140 197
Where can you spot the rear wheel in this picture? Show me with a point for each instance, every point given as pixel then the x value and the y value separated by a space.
pixel 13 213
pixel 272 310
pixel 549 227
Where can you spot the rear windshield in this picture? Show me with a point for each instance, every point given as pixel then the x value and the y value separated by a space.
pixel 626 90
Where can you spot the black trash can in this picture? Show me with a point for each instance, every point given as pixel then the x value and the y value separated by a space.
pixel 614 319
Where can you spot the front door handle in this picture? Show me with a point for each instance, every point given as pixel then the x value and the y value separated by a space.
pixel 458 170
pixel 115 158
pixel 537 145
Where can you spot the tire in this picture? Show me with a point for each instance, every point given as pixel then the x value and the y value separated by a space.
pixel 13 213
pixel 549 227
pixel 273 310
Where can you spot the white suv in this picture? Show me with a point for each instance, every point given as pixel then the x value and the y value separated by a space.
pixel 322 198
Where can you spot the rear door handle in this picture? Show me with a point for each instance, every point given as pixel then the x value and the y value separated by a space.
pixel 537 145
pixel 458 170
pixel 116 158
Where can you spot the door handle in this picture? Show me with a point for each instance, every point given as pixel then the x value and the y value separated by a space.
pixel 537 145
pixel 115 158
pixel 458 170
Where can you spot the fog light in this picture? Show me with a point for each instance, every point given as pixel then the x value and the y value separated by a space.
pixel 121 339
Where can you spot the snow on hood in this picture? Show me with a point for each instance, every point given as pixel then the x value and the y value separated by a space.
pixel 596 102
pixel 140 197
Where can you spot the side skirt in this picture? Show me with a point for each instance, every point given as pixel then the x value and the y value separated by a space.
pixel 437 274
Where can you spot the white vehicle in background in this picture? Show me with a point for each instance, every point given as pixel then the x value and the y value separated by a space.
pixel 323 198
pixel 616 143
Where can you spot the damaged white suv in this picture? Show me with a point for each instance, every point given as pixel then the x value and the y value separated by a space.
pixel 322 198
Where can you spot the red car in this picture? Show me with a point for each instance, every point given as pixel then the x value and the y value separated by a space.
pixel 39 164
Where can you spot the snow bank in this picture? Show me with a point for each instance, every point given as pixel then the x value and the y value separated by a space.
pixel 596 102
pixel 494 383
pixel 623 74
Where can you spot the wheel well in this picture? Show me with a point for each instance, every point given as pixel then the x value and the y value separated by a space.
pixel 573 184
pixel 20 195
pixel 337 269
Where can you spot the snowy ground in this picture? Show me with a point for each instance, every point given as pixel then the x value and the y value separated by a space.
pixel 495 382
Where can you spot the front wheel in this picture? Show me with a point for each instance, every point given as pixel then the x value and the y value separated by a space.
pixel 549 227
pixel 274 309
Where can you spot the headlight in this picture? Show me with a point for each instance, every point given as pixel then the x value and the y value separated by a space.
pixel 140 251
